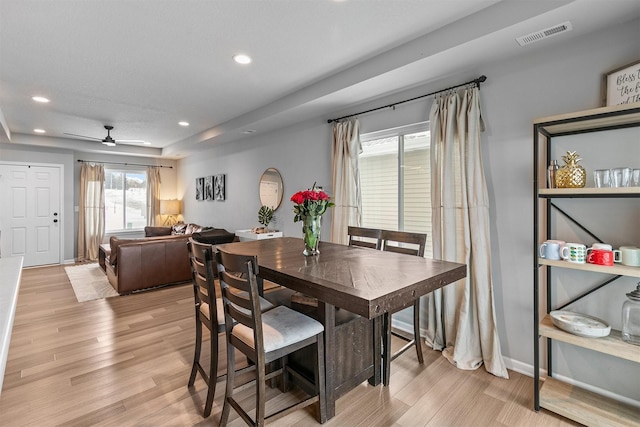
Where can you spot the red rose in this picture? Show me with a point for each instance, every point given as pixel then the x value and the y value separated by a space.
pixel 298 198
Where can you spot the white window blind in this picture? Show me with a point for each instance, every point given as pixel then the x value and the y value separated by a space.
pixel 395 180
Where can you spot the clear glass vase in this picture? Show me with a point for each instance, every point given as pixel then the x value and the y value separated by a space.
pixel 311 234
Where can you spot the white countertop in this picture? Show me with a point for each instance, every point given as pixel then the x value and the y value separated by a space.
pixel 10 273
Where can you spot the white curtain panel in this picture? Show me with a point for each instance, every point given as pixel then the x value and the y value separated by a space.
pixel 153 195
pixel 462 320
pixel 346 179
pixel 91 211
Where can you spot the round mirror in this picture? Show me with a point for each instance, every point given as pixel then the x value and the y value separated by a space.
pixel 271 188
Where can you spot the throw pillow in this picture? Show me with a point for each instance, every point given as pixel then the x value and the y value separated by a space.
pixel 178 228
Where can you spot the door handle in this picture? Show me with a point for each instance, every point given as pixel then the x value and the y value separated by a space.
pixel 55 220
pixel 55 214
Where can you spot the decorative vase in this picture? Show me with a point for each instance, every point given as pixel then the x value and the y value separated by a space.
pixel 311 234
pixel 571 175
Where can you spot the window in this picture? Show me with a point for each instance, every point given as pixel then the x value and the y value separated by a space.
pixel 395 180
pixel 125 200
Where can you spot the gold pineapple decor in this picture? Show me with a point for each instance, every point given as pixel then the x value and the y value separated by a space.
pixel 571 174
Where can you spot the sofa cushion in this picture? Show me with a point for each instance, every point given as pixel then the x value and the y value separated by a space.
pixel 190 228
pixel 215 236
pixel 178 228
pixel 150 231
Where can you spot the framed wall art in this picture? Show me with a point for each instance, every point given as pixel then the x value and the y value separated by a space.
pixel 219 191
pixel 622 85
pixel 199 188
pixel 208 188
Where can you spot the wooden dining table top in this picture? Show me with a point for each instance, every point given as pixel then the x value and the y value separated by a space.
pixel 364 281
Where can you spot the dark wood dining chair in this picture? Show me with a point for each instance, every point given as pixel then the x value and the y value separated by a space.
pixel 208 312
pixel 264 338
pixel 365 237
pixel 410 244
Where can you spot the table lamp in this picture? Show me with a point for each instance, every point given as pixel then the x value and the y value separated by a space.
pixel 170 208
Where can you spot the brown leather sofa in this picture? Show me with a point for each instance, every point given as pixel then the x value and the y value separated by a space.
pixel 163 259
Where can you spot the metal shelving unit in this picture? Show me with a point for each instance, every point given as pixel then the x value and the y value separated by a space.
pixel 572 402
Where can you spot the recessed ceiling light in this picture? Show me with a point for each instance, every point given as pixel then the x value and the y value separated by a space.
pixel 242 59
pixel 146 143
pixel 40 99
pixel 183 123
pixel 39 130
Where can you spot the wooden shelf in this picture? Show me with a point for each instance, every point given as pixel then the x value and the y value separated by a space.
pixel 611 344
pixel 585 407
pixel 617 269
pixel 591 120
pixel 589 191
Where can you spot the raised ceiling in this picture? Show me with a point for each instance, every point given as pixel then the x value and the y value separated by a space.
pixel 143 66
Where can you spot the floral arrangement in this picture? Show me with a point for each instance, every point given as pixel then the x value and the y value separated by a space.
pixel 310 203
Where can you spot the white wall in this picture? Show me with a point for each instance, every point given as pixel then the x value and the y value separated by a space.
pixel 68 158
pixel 540 82
pixel 30 154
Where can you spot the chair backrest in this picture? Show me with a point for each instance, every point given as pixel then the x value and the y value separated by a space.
pixel 404 242
pixel 202 272
pixel 365 237
pixel 241 300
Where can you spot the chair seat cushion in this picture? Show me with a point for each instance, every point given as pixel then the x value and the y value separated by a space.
pixel 281 327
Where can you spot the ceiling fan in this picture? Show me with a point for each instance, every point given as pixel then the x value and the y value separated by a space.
pixel 107 140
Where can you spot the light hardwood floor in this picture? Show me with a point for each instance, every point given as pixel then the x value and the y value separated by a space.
pixel 125 361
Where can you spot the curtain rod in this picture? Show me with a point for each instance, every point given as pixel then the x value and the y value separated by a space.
pixel 126 164
pixel 476 82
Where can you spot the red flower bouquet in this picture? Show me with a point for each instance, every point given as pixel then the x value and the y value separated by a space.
pixel 310 203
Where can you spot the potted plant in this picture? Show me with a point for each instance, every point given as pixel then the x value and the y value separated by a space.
pixel 265 216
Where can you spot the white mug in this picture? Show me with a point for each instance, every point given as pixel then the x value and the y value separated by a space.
pixel 574 252
pixel 603 246
pixel 629 255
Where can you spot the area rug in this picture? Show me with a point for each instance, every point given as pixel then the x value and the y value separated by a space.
pixel 89 282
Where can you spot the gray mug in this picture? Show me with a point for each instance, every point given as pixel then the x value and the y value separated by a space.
pixel 551 249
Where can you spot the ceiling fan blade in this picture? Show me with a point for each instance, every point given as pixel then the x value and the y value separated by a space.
pixel 83 136
pixel 141 141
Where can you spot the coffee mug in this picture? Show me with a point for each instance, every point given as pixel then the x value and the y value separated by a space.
pixel 605 246
pixel 551 249
pixel 600 257
pixel 574 252
pixel 630 255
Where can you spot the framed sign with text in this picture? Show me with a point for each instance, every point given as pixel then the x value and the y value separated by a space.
pixel 622 85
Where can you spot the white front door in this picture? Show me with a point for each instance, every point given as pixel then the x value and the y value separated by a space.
pixel 30 216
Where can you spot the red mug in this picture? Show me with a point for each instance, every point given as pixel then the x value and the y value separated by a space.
pixel 600 257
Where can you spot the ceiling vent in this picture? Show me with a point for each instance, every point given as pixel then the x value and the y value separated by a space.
pixel 544 34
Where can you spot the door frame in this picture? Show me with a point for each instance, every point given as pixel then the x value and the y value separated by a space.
pixel 59 166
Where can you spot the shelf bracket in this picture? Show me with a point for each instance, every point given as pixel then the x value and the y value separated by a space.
pixel 603 284
pixel 570 218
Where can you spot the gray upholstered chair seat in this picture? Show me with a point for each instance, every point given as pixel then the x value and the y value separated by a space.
pixel 281 327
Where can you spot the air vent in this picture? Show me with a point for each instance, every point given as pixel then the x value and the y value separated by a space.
pixel 544 34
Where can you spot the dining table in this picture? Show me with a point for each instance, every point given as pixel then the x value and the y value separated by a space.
pixel 350 288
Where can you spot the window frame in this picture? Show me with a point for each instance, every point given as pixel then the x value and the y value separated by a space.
pixel 400 132
pixel 126 171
